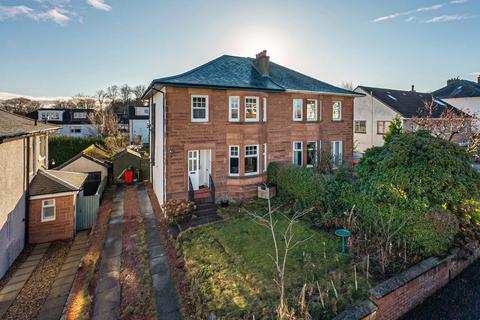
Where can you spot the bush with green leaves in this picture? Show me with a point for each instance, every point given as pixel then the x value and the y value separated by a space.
pixel 411 183
pixel 61 148
pixel 300 183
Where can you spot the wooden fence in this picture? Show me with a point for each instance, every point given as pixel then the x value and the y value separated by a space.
pixel 87 207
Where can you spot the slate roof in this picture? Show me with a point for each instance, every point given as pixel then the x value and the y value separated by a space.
pixel 231 72
pixel 53 181
pixel 458 89
pixel 13 125
pixel 408 103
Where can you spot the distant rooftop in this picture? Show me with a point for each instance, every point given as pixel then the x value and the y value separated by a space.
pixel 458 88
pixel 243 73
pixel 408 103
pixel 13 125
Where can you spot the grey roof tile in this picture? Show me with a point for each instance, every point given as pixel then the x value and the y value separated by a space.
pixel 53 181
pixel 13 125
pixel 458 89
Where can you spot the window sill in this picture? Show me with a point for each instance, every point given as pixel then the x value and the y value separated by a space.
pixel 256 175
pixel 360 132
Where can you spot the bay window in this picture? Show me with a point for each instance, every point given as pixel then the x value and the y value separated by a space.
pixel 297 153
pixel 251 109
pixel 234 161
pixel 251 159
pixel 297 109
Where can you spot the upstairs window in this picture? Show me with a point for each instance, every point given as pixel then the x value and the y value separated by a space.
pixel 251 109
pixel 360 126
pixel 199 108
pixel 251 160
pixel 297 109
pixel 80 115
pixel 234 161
pixel 311 153
pixel 382 126
pixel 337 111
pixel 234 108
pixel 312 110
pixel 264 109
pixel 49 115
pixel 297 153
pixel 48 210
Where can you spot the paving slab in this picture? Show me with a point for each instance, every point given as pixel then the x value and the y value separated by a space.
pixel 13 287
pixel 57 297
pixel 107 291
pixel 166 300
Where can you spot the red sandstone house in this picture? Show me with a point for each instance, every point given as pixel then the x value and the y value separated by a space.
pixel 218 126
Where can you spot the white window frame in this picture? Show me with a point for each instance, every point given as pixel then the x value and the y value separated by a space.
pixel 316 110
pixel 301 109
pixel 250 156
pixel 264 114
pixel 257 108
pixel 230 107
pixel 46 219
pixel 264 155
pixel 332 152
pixel 206 108
pixel 340 111
pixel 80 115
pixel 316 153
pixel 230 157
pixel 297 150
pixel 355 122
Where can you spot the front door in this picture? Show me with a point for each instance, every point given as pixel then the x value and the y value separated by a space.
pixel 193 167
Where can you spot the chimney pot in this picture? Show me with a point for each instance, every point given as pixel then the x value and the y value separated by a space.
pixel 413 88
pixel 262 63
pixel 478 80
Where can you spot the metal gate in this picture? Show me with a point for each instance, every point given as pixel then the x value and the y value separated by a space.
pixel 87 208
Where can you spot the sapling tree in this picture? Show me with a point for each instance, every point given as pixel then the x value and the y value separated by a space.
pixel 281 251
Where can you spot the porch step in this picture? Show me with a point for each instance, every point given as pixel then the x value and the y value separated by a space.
pixel 205 208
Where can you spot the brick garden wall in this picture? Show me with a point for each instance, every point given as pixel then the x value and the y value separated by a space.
pixel 61 228
pixel 218 133
pixel 396 296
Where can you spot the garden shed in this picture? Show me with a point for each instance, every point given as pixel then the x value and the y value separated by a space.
pixel 131 158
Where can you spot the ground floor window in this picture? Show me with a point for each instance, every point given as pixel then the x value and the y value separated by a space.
pixel 234 161
pixel 312 153
pixel 297 153
pixel 251 159
pixel 337 153
pixel 48 210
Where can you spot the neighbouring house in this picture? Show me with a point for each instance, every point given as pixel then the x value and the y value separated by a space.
pixel 128 158
pixel 95 161
pixel 139 124
pixel 52 205
pixel 217 127
pixel 374 111
pixel 462 94
pixel 74 122
pixel 23 151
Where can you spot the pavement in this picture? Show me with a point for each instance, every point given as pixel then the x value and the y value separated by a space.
pixel 458 300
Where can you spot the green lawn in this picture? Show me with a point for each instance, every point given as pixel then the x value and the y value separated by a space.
pixel 231 272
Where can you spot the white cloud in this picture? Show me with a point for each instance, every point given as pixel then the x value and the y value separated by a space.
pixel 417 10
pixel 58 15
pixel 448 18
pixel 409 19
pixel 100 5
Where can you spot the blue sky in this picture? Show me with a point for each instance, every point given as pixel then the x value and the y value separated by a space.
pixel 65 47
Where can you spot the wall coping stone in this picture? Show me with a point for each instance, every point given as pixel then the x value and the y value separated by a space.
pixel 360 311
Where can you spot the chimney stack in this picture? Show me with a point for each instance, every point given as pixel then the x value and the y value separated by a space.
pixel 478 80
pixel 413 88
pixel 453 80
pixel 262 63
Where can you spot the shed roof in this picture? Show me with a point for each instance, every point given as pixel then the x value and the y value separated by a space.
pixel 54 181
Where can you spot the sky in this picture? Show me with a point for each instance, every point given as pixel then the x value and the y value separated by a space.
pixel 67 47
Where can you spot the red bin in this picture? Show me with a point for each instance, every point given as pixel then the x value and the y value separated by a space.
pixel 128 175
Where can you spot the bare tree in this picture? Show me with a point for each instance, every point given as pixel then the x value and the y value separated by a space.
pixel 280 259
pixel 348 85
pixel 101 97
pixel 112 93
pixel 449 123
pixel 125 93
pixel 107 123
pixel 138 91
pixel 19 105
pixel 82 101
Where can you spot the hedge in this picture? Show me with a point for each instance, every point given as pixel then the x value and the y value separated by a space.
pixel 298 182
pixel 60 148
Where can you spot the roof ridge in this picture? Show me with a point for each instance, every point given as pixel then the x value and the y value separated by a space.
pixel 390 89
